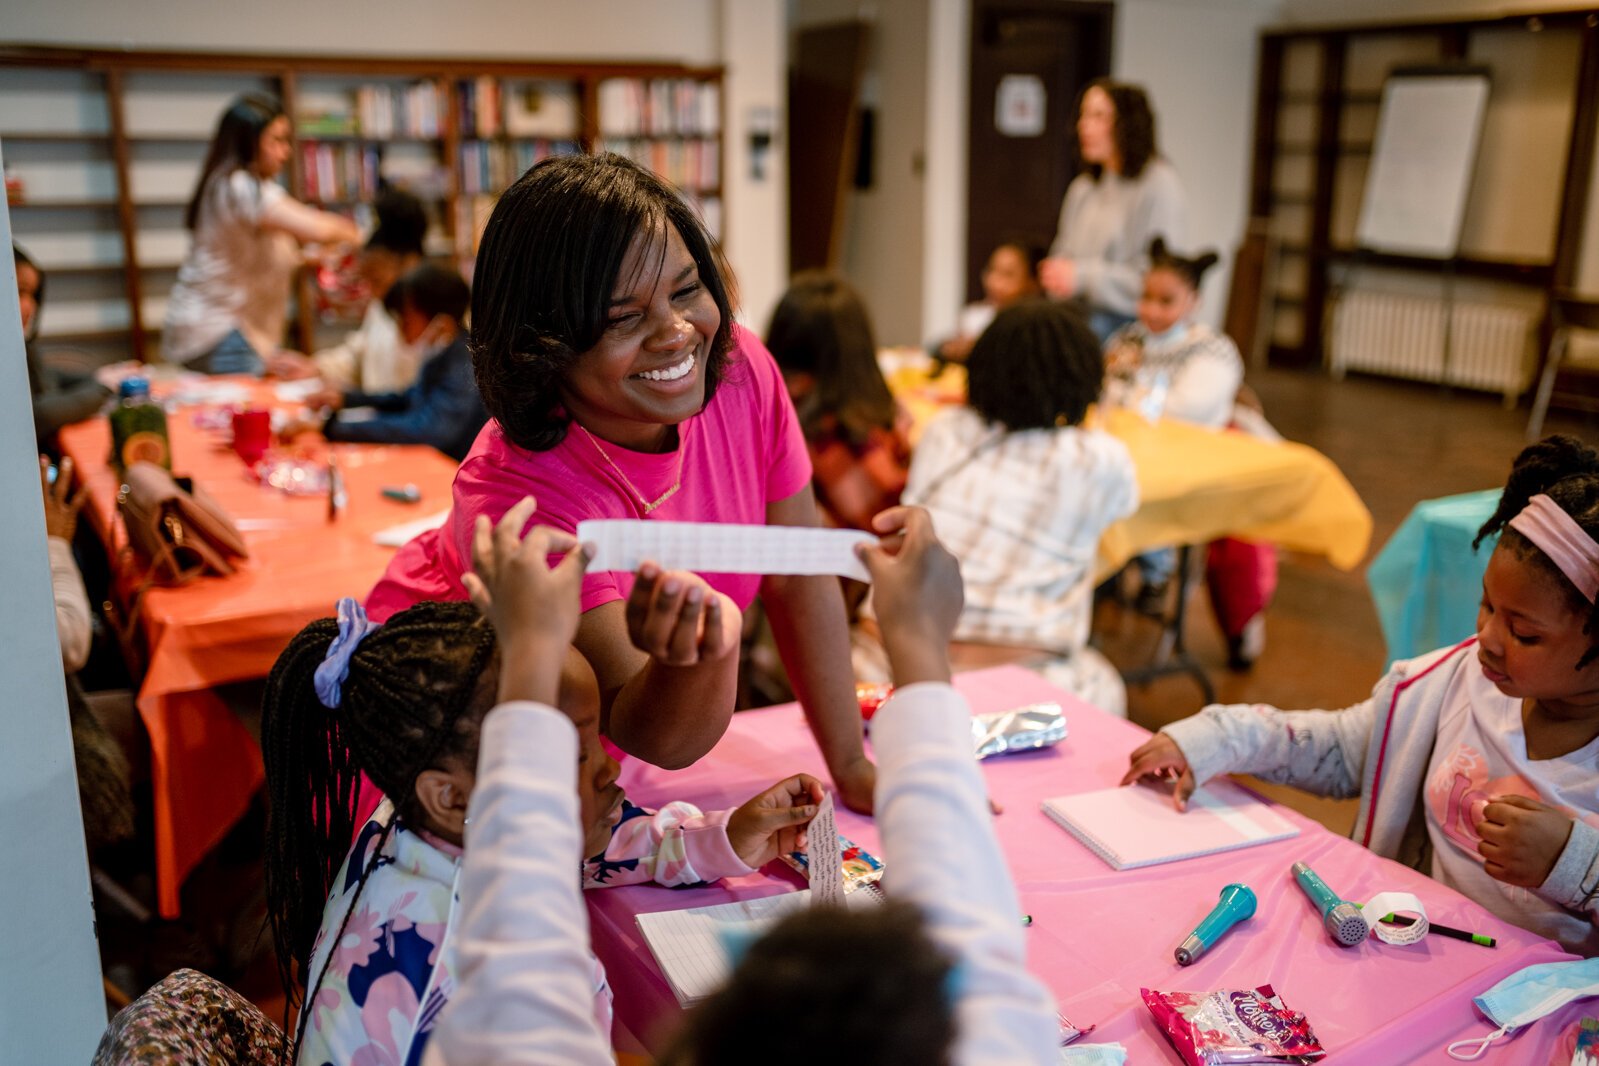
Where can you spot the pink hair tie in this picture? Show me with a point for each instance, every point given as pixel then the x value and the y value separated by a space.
pixel 1556 534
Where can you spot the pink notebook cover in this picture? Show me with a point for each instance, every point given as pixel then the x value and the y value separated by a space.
pixel 1138 826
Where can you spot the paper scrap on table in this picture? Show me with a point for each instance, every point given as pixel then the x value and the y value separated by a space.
pixel 297 391
pixel 1398 903
pixel 717 548
pixel 826 861
pixel 402 534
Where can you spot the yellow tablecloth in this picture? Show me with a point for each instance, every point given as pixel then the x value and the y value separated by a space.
pixel 1196 484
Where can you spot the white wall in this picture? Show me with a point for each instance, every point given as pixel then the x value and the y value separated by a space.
pixel 51 1005
pixel 743 34
pixel 1333 12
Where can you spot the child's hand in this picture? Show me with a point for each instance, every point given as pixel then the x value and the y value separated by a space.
pixel 1058 277
pixel 774 822
pixel 1522 839
pixel 917 590
pixel 677 618
pixel 534 609
pixel 1160 757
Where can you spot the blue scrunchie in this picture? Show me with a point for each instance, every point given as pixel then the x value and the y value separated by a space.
pixel 353 628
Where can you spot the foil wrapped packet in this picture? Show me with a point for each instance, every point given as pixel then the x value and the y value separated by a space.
pixel 1037 725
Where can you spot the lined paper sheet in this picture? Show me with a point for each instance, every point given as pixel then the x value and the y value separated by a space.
pixel 1138 826
pixel 402 534
pixel 717 548
pixel 690 944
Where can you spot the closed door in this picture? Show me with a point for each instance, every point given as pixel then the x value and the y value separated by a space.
pixel 1029 61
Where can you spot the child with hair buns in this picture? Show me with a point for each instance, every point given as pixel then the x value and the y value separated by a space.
pixel 1474 764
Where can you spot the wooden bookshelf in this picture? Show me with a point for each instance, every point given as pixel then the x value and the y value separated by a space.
pixel 109 145
pixel 1318 93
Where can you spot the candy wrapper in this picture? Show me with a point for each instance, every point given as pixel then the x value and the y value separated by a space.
pixel 861 867
pixel 1233 1026
pixel 1038 725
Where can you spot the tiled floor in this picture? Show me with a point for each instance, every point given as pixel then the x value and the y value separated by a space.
pixel 1397 443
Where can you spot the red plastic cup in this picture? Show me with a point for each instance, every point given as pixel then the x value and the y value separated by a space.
pixel 252 434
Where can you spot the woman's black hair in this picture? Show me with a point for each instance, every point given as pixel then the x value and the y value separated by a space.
pixel 547 269
pixel 402 223
pixel 417 689
pixel 21 258
pixel 1037 365
pixel 872 980
pixel 1134 129
pixel 821 328
pixel 236 143
pixel 1191 270
pixel 1567 471
pixel 432 290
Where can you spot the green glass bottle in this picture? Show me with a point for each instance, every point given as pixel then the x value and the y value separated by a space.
pixel 139 428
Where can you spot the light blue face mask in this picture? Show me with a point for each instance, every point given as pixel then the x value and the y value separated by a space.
pixel 1170 336
pixel 1527 995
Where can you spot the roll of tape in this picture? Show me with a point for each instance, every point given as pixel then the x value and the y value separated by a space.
pixel 1399 903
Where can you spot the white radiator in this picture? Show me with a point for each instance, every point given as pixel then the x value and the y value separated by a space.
pixel 1490 346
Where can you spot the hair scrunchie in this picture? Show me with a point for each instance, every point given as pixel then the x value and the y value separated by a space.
pixel 353 628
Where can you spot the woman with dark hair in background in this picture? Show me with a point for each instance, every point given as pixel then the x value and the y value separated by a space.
pixel 1127 195
pixel 227 312
pixel 60 397
pixel 821 338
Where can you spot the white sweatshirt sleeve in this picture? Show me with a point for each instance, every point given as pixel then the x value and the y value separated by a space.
pixel 523 994
pixel 74 619
pixel 932 810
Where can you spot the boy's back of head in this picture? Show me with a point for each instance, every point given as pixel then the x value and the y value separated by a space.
pixel 432 290
pixel 865 985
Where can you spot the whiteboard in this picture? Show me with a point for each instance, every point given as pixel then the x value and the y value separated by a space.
pixel 1426 149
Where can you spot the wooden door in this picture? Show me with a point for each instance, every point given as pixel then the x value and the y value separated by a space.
pixel 1016 182
pixel 824 130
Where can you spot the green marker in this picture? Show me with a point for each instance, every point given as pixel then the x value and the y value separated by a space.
pixel 1027 919
pixel 1442 930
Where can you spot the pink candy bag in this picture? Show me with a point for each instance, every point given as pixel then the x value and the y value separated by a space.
pixel 1233 1026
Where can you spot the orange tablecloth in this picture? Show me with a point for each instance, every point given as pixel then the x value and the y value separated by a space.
pixel 1196 484
pixel 204 763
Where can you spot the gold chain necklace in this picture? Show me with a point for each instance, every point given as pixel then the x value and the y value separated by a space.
pixel 647 505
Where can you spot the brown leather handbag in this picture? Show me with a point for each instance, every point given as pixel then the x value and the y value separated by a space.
pixel 178 535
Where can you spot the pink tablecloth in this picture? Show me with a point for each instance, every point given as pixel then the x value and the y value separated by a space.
pixel 1099 935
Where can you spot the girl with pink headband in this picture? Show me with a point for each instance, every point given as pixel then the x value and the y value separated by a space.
pixel 1474 764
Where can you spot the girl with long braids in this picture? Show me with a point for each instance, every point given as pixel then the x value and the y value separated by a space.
pixel 1474 764
pixel 364 938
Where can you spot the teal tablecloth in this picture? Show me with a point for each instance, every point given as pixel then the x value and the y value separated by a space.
pixel 1427 581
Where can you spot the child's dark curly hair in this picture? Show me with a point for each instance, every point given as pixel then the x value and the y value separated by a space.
pixel 546 270
pixel 872 981
pixel 1567 471
pixel 416 692
pixel 1036 366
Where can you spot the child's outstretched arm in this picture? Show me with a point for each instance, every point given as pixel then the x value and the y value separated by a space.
pixel 932 805
pixel 524 993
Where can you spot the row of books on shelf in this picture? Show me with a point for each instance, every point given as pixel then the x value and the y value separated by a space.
pixel 338 172
pixel 693 165
pixel 634 107
pixel 490 107
pixel 489 166
pixel 381 112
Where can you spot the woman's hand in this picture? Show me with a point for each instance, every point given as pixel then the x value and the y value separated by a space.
pixel 61 504
pixel 1058 277
pixel 677 619
pixel 1522 839
pixel 774 822
pixel 533 607
pixel 1161 758
pixel 855 783
pixel 290 366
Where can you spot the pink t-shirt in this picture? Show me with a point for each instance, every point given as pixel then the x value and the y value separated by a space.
pixel 742 451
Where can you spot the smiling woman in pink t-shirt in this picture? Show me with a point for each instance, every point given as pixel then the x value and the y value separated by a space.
pixel 619 387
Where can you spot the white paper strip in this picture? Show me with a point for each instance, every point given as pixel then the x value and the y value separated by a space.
pixel 826 861
pixel 1398 903
pixel 716 548
pixel 402 534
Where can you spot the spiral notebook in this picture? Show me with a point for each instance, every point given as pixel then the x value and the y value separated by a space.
pixel 1138 826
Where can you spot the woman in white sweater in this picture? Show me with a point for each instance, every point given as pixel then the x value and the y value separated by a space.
pixel 1126 195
